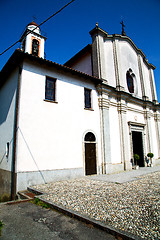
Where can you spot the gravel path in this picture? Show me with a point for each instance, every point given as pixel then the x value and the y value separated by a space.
pixel 131 206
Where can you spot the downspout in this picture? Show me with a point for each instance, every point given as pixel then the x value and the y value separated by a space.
pixel 13 167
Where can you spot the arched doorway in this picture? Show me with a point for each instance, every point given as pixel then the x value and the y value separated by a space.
pixel 138 147
pixel 90 154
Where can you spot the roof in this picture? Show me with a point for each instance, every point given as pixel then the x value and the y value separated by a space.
pixel 33 23
pixel 19 56
pixel 86 49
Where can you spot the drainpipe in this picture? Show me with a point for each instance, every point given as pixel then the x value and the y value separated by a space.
pixel 13 167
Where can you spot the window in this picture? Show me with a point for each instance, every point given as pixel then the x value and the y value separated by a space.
pixel 87 98
pixel 50 91
pixel 7 149
pixel 130 81
pixel 35 47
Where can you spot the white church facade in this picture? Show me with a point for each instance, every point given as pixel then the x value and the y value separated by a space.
pixel 88 116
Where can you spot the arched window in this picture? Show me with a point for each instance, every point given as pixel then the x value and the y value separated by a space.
pixel 89 137
pixel 35 47
pixel 130 81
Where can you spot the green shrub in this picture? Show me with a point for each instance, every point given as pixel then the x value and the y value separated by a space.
pixel 38 202
pixel 150 155
pixel 1 226
pixel 136 158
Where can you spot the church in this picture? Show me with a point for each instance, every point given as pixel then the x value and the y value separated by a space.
pixel 88 116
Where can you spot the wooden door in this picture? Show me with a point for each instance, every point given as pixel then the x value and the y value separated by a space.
pixel 90 159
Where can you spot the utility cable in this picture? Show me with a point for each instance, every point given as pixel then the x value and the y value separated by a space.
pixel 38 26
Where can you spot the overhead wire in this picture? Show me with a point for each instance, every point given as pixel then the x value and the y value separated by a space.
pixel 38 26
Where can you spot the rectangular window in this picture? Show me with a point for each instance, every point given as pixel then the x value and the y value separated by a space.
pixel 87 98
pixel 50 91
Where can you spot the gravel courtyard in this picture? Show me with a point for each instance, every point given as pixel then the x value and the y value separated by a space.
pixel 131 206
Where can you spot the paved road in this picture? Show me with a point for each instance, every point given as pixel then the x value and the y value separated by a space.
pixel 126 176
pixel 29 221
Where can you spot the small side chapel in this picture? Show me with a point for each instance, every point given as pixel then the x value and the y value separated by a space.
pixel 88 116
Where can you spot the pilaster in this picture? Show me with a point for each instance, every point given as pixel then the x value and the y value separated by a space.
pixel 157 126
pixel 153 87
pixel 144 97
pixel 122 110
pixel 98 59
pixel 104 104
pixel 147 118
pixel 117 61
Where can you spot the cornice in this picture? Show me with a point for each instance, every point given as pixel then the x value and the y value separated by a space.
pixel 98 30
pixel 135 110
pixel 128 97
pixel 136 124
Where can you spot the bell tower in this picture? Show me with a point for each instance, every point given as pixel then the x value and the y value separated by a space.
pixel 32 41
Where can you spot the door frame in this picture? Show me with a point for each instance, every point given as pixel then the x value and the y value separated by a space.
pixel 137 127
pixel 83 148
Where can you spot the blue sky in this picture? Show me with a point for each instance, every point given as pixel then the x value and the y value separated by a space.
pixel 68 32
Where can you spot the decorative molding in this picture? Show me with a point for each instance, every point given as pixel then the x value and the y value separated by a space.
pixel 104 103
pixel 147 114
pixel 121 107
pixel 119 88
pixel 157 117
pixel 142 125
pixel 135 110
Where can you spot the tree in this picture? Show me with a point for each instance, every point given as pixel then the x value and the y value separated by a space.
pixel 136 158
pixel 150 155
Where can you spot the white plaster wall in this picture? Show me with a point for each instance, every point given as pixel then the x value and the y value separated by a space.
pixel 84 64
pixel 115 136
pixel 42 48
pixel 128 58
pixel 135 113
pixel 28 44
pixel 135 117
pixel 7 115
pixel 147 81
pixel 33 27
pixel 109 66
pixel 134 106
pixel 50 135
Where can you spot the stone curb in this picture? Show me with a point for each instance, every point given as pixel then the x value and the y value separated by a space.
pixel 119 234
pixel 15 202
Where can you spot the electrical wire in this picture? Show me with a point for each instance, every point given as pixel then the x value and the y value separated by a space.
pixel 38 26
